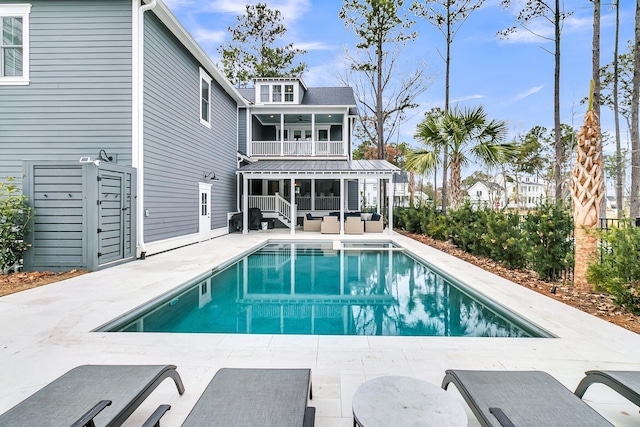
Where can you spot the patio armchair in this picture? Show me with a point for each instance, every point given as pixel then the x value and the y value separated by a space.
pixel 374 225
pixel 353 225
pixel 310 223
pixel 330 225
pixel 521 398
pixel 251 397
pixel 103 395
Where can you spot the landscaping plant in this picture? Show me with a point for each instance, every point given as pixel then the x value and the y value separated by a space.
pixel 15 214
pixel 618 271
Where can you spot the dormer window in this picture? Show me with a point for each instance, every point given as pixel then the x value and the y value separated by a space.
pixel 277 93
pixel 288 93
pixel 264 93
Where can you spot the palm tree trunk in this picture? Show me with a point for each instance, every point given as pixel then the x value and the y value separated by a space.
pixel 586 194
pixel 455 182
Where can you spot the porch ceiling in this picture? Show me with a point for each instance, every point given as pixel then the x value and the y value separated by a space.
pixel 320 168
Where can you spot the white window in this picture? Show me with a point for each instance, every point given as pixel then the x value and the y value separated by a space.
pixel 264 93
pixel 14 44
pixel 479 193
pixel 205 98
pixel 277 93
pixel 288 93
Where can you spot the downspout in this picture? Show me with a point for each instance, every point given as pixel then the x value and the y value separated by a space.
pixel 137 111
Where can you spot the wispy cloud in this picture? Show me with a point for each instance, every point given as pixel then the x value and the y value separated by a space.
pixel 291 9
pixel 528 92
pixel 313 46
pixel 208 37
pixel 466 98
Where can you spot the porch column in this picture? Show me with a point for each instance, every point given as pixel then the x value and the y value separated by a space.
pixel 390 204
pixel 313 134
pixel 245 204
pixel 313 194
pixel 342 218
pixel 294 211
pixel 378 195
pixel 282 134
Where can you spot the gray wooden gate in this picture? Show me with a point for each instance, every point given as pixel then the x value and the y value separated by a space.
pixel 84 215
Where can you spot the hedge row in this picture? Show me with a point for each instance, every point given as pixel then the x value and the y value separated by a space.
pixel 541 240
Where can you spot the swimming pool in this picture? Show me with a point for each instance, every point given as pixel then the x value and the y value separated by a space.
pixel 326 288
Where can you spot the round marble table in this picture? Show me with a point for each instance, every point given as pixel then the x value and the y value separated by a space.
pixel 404 401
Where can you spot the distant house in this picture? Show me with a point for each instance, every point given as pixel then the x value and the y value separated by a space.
pixel 121 130
pixel 295 144
pixel 512 192
pixel 400 191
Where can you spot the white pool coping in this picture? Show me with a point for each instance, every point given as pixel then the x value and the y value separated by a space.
pixel 46 331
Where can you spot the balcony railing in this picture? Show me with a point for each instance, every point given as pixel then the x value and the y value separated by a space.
pixel 298 148
pixel 275 204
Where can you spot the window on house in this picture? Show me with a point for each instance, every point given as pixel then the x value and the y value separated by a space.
pixel 205 98
pixel 264 93
pixel 277 93
pixel 14 44
pixel 479 193
pixel 288 93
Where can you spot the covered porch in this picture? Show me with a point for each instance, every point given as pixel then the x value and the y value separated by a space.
pixel 290 189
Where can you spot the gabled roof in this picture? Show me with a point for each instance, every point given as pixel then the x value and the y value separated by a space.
pixel 314 96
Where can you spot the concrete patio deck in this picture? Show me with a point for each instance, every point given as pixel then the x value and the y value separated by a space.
pixel 47 331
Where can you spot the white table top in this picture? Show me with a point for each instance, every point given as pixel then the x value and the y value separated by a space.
pixel 404 401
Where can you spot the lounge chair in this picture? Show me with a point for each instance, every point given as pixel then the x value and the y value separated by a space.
pixel 104 394
pixel 374 225
pixel 521 398
pixel 311 223
pixel 627 383
pixel 252 397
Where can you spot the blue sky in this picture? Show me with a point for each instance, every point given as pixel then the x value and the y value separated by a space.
pixel 512 79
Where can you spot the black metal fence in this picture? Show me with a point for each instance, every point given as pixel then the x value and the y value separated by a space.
pixel 609 223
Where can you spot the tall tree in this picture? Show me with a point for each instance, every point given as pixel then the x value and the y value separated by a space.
pixel 448 16
pixel 634 210
pixel 550 11
pixel 469 135
pixel 595 76
pixel 383 30
pixel 252 50
pixel 616 116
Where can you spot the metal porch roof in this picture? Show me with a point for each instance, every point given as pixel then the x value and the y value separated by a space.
pixel 337 168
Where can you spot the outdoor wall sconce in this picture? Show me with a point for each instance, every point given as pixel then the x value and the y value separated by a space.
pixel 103 156
pixel 210 176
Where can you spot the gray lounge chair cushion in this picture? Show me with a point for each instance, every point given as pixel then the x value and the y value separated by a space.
pixel 253 397
pixel 627 383
pixel 69 397
pixel 527 398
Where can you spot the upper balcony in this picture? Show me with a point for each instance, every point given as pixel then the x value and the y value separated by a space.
pixel 298 135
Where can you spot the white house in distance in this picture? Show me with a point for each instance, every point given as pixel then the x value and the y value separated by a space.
pixel 514 192
pixel 400 192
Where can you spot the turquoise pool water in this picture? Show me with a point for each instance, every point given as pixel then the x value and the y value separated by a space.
pixel 322 289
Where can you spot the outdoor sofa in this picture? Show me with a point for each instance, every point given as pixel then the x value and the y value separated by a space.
pixel 354 225
pixel 102 394
pixel 330 225
pixel 374 224
pixel 522 399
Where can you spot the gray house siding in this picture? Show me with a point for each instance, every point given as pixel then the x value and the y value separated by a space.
pixel 178 149
pixel 242 130
pixel 79 98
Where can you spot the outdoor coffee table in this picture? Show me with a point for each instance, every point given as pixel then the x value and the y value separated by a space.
pixel 404 401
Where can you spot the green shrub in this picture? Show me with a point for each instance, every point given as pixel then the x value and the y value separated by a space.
pixel 15 214
pixel 618 270
pixel 549 235
pixel 504 240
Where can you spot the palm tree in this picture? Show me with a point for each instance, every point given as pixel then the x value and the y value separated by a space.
pixel 467 135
